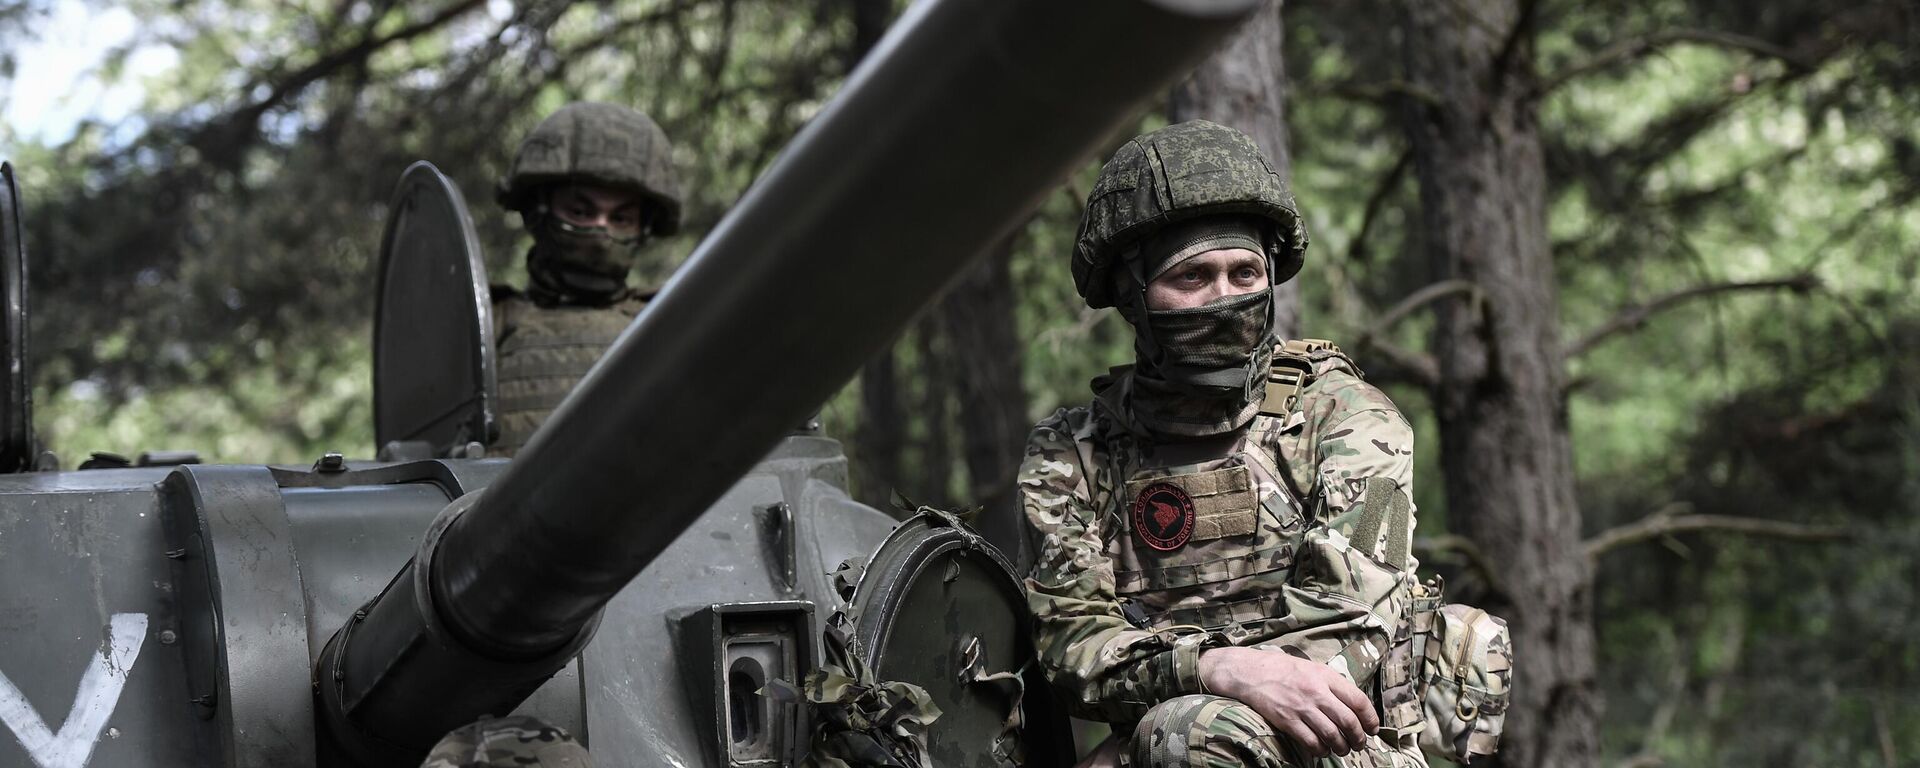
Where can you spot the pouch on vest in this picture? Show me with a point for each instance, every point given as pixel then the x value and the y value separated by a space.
pixel 1342 606
pixel 1466 666
pixel 1398 698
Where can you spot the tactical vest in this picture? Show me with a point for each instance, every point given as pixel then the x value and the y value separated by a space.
pixel 1204 533
pixel 1221 535
pixel 543 353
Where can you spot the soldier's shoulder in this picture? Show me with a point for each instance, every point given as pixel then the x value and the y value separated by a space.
pixel 1064 425
pixel 1052 470
pixel 1338 388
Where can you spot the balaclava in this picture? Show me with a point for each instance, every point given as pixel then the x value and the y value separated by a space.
pixel 1198 371
pixel 577 265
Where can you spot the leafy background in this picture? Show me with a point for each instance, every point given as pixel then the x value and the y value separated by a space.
pixel 1731 189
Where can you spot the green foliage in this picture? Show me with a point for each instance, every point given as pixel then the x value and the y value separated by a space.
pixel 242 206
pixel 202 279
pixel 243 418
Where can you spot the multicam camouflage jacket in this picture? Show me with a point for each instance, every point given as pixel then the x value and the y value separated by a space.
pixel 502 742
pixel 1293 533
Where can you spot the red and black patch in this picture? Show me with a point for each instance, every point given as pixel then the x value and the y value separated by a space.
pixel 1163 516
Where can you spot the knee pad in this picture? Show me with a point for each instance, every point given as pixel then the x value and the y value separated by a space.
pixel 1199 730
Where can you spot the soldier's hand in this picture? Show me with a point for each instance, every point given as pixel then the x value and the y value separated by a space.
pixel 1310 703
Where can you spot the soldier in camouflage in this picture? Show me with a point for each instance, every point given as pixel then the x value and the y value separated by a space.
pixel 1223 534
pixel 508 741
pixel 592 183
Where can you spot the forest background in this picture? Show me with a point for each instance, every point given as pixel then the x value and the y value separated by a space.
pixel 1642 274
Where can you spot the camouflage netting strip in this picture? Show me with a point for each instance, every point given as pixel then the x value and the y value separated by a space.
pixel 862 722
pixel 1007 745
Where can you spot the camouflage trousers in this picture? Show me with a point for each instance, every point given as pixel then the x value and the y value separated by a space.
pixel 1202 731
pixel 508 741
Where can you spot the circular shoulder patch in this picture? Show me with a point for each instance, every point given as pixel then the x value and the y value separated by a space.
pixel 1163 516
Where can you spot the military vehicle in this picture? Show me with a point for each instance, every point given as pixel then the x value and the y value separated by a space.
pixel 655 565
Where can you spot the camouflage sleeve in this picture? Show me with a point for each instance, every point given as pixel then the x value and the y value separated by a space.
pixel 1343 610
pixel 1108 669
pixel 1364 461
pixel 505 742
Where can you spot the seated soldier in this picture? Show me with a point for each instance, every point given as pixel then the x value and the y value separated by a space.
pixel 1223 533
pixel 592 183
pixel 502 742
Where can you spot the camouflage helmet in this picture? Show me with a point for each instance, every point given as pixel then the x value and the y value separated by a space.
pixel 602 144
pixel 1181 172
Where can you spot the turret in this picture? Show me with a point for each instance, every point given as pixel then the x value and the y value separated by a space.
pixel 949 135
pixel 248 615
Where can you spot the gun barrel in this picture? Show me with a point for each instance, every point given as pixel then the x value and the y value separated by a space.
pixel 957 126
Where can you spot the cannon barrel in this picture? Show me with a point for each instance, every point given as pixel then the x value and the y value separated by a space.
pixel 950 134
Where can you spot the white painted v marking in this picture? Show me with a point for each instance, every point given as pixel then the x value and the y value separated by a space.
pixel 99 693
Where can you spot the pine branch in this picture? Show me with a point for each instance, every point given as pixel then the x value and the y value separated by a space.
pixel 1520 35
pixel 228 137
pixel 1634 48
pixel 1634 317
pixel 1409 304
pixel 1437 547
pixel 1404 365
pixel 1382 92
pixel 1666 522
pixel 1377 202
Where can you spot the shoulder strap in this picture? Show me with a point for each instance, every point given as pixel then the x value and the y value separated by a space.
pixel 1277 464
pixel 1296 364
pixel 1292 370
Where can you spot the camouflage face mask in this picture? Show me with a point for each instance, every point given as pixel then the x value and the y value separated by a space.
pixel 580 262
pixel 1199 369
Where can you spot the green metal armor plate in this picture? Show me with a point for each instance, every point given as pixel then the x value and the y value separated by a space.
pixel 939 607
pixel 16 387
pixel 433 356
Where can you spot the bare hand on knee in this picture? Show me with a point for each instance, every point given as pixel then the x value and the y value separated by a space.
pixel 1309 702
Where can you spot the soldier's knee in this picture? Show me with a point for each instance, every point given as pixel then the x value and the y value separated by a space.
pixel 508 741
pixel 1202 730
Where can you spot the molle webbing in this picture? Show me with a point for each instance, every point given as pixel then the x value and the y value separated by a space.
pixel 1253 610
pixel 544 352
pixel 1224 503
pixel 1209 572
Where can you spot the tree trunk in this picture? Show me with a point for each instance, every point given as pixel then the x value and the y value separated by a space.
pixel 1244 86
pixel 1504 443
pixel 933 483
pixel 984 352
pixel 881 431
pixel 882 428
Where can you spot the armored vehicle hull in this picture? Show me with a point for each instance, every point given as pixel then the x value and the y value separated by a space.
pixel 159 616
pixel 658 555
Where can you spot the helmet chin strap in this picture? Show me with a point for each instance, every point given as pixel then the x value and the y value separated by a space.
pixel 1134 310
